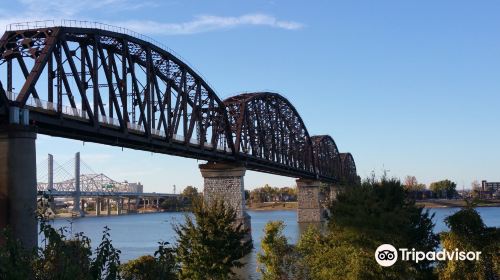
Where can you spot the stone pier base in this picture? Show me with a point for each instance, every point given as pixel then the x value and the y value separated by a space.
pixel 18 183
pixel 309 208
pixel 225 181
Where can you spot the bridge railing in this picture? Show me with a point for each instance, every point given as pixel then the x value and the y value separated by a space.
pixel 101 26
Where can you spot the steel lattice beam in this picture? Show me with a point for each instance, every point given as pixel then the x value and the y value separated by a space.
pixel 111 88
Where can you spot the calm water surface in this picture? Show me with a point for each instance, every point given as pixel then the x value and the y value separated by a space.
pixel 137 235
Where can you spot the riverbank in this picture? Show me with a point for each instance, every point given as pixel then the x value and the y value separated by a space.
pixel 280 206
pixel 449 203
pixel 427 203
pixel 266 206
pixel 69 214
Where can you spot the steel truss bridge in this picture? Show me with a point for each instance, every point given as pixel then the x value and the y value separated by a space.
pixel 103 84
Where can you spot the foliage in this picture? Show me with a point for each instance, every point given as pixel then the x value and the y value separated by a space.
pixel 190 193
pixel 107 261
pixel 63 258
pixel 209 246
pixel 379 212
pixel 412 185
pixel 60 257
pixel 172 204
pixel 161 266
pixel 338 255
pixel 15 261
pixel 444 188
pixel 277 259
pixel 468 233
pixel 268 194
pixel 363 217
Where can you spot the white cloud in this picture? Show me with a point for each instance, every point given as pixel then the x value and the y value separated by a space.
pixel 35 10
pixel 207 23
pixel 71 8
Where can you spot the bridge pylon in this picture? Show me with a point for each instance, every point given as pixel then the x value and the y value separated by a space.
pixel 18 183
pixel 309 208
pixel 226 181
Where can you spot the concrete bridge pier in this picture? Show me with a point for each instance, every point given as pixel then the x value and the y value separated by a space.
pixel 226 181
pixel 98 206
pixel 18 183
pixel 119 206
pixel 108 206
pixel 309 209
pixel 77 207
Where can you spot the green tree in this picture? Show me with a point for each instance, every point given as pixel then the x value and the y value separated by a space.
pixel 161 266
pixel 190 192
pixel 277 259
pixel 362 218
pixel 411 184
pixel 211 244
pixel 444 188
pixel 15 261
pixel 106 264
pixel 468 233
pixel 62 258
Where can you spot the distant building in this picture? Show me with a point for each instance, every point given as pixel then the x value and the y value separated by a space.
pixel 134 187
pixel 490 186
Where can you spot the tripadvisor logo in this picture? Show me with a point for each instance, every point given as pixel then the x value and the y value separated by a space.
pixel 387 255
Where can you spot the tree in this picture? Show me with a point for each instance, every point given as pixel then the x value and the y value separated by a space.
pixel 62 258
pixel 161 266
pixel 106 264
pixel 190 192
pixel 468 233
pixel 363 217
pixel 476 189
pixel 277 258
pixel 411 184
pixel 410 181
pixel 444 189
pixel 211 244
pixel 15 261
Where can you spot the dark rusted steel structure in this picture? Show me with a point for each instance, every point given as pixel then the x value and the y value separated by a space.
pixel 327 156
pixel 112 88
pixel 349 173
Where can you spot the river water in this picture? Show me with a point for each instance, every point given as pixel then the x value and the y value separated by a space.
pixel 137 235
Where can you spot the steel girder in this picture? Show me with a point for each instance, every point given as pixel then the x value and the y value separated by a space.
pixel 266 125
pixel 326 156
pixel 88 183
pixel 111 88
pixel 108 80
pixel 349 172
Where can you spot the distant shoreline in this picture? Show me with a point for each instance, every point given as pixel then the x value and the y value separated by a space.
pixel 427 203
pixel 291 206
pixel 450 203
pixel 272 206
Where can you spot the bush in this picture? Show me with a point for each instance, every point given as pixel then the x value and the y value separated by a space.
pixel 277 259
pixel 212 244
pixel 468 233
pixel 161 266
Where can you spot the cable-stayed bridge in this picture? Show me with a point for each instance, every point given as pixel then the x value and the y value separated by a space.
pixel 57 180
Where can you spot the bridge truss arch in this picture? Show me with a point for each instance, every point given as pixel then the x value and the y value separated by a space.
pixel 327 157
pixel 267 126
pixel 103 86
pixel 349 173
pixel 109 85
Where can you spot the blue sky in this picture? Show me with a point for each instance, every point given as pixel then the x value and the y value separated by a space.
pixel 408 86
